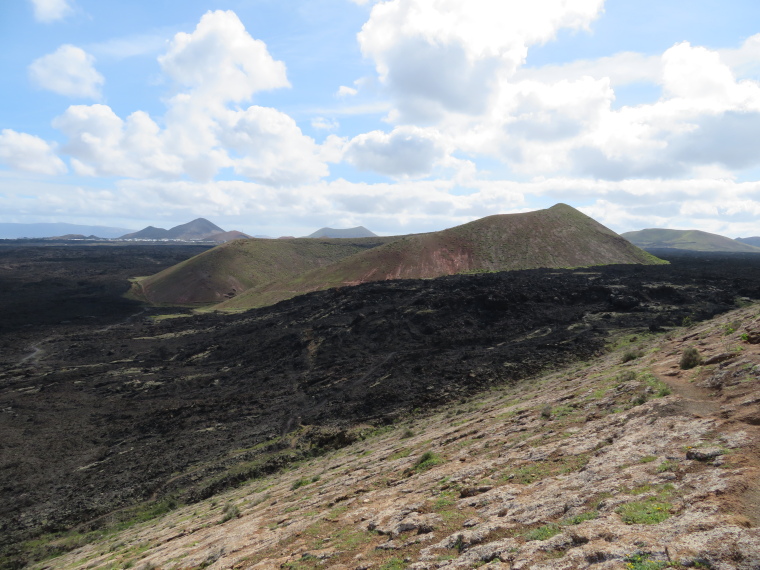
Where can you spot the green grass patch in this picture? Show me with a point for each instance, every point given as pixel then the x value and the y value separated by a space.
pixel 642 561
pixel 400 454
pixel 660 388
pixel 649 511
pixel 667 465
pixel 532 472
pixel 583 517
pixel 543 532
pixel 444 500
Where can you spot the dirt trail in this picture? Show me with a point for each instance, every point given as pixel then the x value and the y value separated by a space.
pixel 722 390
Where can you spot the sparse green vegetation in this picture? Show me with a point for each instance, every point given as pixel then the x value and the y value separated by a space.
pixel 642 561
pixel 400 454
pixel 298 483
pixel 667 465
pixel 660 388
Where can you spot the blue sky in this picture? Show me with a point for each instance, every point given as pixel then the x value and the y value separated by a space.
pixel 280 117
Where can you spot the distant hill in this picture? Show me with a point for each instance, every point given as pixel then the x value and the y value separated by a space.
pixel 228 236
pixel 755 241
pixel 199 229
pixel 228 270
pixel 47 230
pixel 694 240
pixel 560 236
pixel 357 232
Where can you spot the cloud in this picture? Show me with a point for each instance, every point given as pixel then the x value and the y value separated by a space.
pixel 344 91
pixel 271 148
pixel 220 61
pixel 745 60
pixel 323 124
pixel 47 11
pixel 620 69
pixel 406 152
pixel 102 144
pixel 29 153
pixel 67 71
pixel 130 46
pixel 216 65
pixel 437 57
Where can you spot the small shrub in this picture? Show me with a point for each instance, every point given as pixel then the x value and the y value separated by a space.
pixel 546 412
pixel 427 460
pixel 626 376
pixel 230 512
pixel 745 337
pixel 690 358
pixel 407 433
pixel 300 483
pixel 687 322
pixel 631 355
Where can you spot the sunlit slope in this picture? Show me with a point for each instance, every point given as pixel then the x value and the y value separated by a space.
pixel 234 267
pixel 694 240
pixel 559 236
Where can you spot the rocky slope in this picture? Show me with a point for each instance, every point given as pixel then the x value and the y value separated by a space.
pixel 627 461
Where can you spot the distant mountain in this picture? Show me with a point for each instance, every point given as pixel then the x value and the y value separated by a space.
pixel 197 230
pixel 357 232
pixel 560 236
pixel 694 240
pixel 47 230
pixel 755 241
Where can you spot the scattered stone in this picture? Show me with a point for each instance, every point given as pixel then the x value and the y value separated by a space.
pixel 704 453
pixel 722 357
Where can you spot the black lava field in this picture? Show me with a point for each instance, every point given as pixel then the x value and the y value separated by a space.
pixel 103 413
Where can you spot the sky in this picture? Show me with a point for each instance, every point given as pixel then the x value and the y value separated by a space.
pixel 278 117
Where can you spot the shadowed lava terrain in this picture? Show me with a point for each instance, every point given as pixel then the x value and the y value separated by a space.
pixel 96 418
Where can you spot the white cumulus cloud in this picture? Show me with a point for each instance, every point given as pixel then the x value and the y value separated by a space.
pixel 29 153
pixel 217 65
pixel 221 61
pixel 50 10
pixel 67 71
pixel 447 55
pixel 406 152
